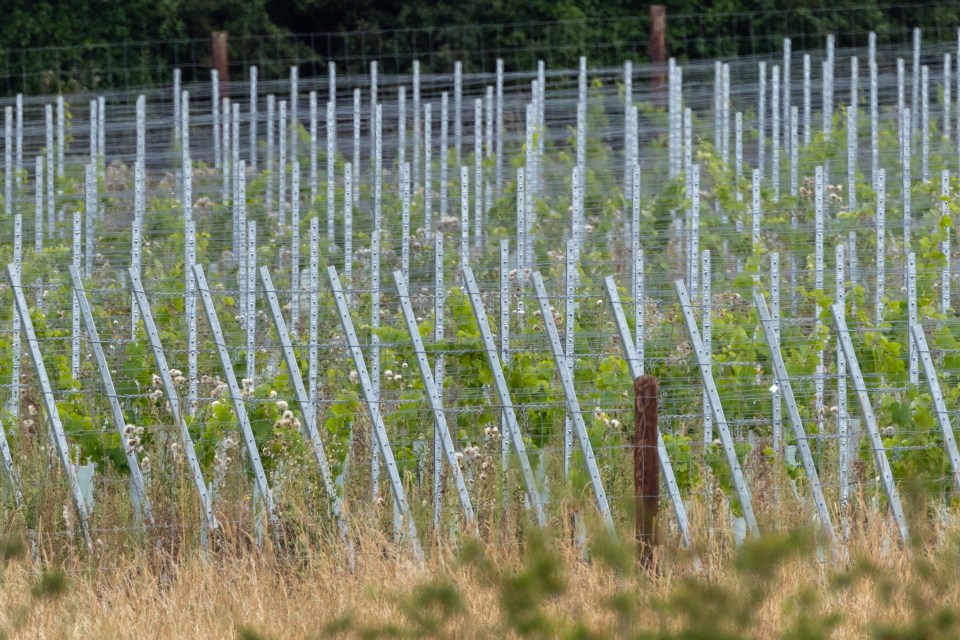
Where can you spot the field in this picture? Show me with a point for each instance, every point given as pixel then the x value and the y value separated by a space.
pixel 274 367
pixel 774 587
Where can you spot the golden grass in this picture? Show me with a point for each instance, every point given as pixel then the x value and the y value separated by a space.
pixel 511 583
pixel 777 587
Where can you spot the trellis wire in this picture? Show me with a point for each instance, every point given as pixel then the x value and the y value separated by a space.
pixel 504 118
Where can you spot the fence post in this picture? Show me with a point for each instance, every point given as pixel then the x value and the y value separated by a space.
pixel 657 46
pixel 438 367
pixel 635 362
pixel 220 58
pixel 16 338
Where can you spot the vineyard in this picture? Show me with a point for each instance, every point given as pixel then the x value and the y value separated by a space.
pixel 326 315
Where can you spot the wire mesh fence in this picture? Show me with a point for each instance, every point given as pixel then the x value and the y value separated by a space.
pixel 362 367
pixel 605 40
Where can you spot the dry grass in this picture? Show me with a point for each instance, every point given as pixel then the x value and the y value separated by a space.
pixel 777 587
pixel 513 582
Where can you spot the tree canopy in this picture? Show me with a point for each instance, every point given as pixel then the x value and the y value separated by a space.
pixel 50 44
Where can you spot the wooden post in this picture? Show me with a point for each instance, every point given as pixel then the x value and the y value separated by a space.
pixel 657 49
pixel 220 59
pixel 646 466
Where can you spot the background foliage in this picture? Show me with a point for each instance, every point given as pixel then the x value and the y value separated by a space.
pixel 95 44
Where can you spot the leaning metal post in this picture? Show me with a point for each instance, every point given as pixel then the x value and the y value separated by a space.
pixel 173 398
pixel 786 389
pixel 307 408
pixel 236 396
pixel 57 433
pixel 866 409
pixel 503 392
pixel 436 404
pixel 713 396
pixel 380 429
pixel 136 477
pixel 573 405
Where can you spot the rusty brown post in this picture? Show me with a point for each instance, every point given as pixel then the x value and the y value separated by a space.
pixel 646 467
pixel 220 59
pixel 657 49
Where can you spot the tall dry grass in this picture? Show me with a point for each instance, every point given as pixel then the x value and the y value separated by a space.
pixel 783 586
pixel 510 581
